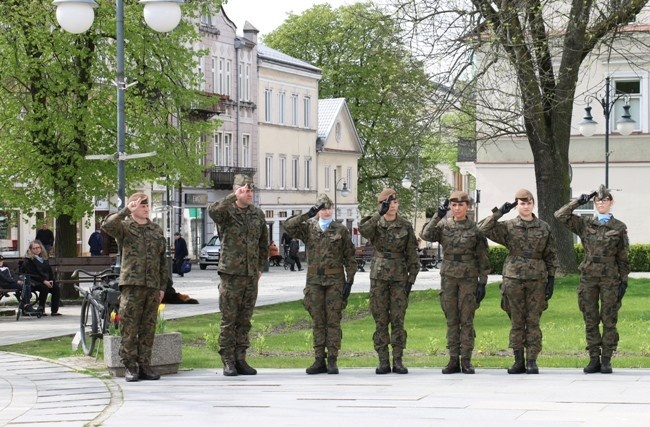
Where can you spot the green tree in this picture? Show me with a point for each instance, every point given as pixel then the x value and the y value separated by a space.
pixel 58 104
pixel 364 60
pixel 519 59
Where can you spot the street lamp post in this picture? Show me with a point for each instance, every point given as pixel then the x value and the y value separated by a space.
pixel 407 184
pixel 345 192
pixel 76 17
pixel 625 125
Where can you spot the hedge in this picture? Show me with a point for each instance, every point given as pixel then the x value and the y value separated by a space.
pixel 639 257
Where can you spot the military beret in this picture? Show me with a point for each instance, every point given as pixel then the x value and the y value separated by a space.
pixel 459 196
pixel 385 194
pixel 524 195
pixel 325 201
pixel 242 180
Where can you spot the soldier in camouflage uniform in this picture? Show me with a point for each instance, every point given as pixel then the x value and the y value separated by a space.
pixel 464 271
pixel 393 271
pixel 330 275
pixel 603 274
pixel 528 275
pixel 143 280
pixel 244 253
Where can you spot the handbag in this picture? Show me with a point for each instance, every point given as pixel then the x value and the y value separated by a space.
pixel 186 267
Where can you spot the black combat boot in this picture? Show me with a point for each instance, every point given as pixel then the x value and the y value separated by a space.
pixel 606 365
pixel 518 367
pixel 398 366
pixel 331 365
pixel 593 366
pixel 132 374
pixel 146 373
pixel 384 364
pixel 531 367
pixel 466 365
pixel 243 368
pixel 318 367
pixel 229 369
pixel 453 367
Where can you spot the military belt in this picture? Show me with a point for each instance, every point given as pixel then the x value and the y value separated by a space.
pixel 599 259
pixel 459 257
pixel 323 271
pixel 389 255
pixel 526 254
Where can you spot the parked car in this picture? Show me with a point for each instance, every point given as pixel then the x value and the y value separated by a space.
pixel 209 254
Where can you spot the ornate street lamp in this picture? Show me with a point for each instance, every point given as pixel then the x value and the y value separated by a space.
pixel 345 192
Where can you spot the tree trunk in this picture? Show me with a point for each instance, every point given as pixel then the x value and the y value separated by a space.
pixel 66 246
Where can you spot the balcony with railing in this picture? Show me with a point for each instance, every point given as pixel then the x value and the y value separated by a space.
pixel 210 105
pixel 222 177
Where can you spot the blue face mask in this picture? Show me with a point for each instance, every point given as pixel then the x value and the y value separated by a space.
pixel 324 223
pixel 603 218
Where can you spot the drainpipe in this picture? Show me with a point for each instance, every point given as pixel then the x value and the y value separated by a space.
pixel 238 45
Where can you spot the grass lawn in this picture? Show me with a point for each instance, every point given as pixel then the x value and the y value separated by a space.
pixel 282 338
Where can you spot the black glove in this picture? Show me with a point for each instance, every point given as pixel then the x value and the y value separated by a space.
pixel 507 207
pixel 550 285
pixel 314 210
pixel 383 207
pixel 621 291
pixel 443 209
pixel 347 288
pixel 409 285
pixel 480 292
pixel 584 198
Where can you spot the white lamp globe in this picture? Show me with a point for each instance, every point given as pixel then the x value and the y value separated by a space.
pixel 162 15
pixel 75 16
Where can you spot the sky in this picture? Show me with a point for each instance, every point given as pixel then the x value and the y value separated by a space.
pixel 267 15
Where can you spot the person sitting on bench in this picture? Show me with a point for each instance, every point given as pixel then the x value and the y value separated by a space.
pixel 274 254
pixel 40 271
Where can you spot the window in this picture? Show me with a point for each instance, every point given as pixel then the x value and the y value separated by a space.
pixel 295 178
pixel 228 83
pixel 246 150
pixel 213 69
pixel 268 181
pixel 268 93
pixel 281 97
pixel 218 159
pixel 247 83
pixel 241 80
pixel 328 172
pixel 283 173
pixel 206 19
pixel 220 83
pixel 308 174
pixel 307 108
pixel 201 75
pixel 294 110
pixel 227 149
pixel 630 89
pixel 349 178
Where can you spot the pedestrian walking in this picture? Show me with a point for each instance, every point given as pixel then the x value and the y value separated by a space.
pixel 603 274
pixel 393 271
pixel 96 242
pixel 180 253
pixel 244 254
pixel 528 275
pixel 330 276
pixel 464 271
pixel 143 280
pixel 294 247
pixel 46 237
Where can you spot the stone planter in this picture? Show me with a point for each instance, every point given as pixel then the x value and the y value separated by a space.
pixel 165 357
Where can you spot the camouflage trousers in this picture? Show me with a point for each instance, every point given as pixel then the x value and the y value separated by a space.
pixel 325 306
pixel 591 291
pixel 237 297
pixel 138 314
pixel 458 302
pixel 388 303
pixel 524 301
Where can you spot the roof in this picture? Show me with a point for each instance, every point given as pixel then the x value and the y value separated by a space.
pixel 328 110
pixel 270 54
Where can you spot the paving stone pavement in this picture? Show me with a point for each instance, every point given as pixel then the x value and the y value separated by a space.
pixel 37 392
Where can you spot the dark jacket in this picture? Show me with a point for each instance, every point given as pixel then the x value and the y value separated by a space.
pixel 180 249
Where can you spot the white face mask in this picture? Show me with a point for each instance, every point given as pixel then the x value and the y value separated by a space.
pixel 324 223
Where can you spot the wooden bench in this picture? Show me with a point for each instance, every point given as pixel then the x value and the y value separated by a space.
pixel 363 255
pixel 64 267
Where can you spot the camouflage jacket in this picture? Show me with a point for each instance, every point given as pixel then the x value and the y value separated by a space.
pixel 142 248
pixel 396 255
pixel 244 237
pixel 606 245
pixel 532 251
pixel 329 252
pixel 465 248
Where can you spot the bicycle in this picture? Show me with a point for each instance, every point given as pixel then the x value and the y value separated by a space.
pixel 98 303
